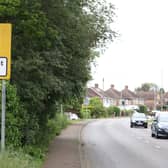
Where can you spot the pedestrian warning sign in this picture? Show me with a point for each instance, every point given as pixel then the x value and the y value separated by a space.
pixel 3 66
pixel 5 50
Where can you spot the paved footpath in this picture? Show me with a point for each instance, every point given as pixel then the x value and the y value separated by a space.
pixel 64 151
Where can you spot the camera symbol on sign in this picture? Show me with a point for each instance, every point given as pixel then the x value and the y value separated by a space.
pixel 3 66
pixel 2 63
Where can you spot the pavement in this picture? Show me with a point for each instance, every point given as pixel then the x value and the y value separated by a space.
pixel 65 150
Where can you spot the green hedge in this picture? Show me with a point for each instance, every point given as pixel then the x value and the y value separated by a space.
pixel 15 117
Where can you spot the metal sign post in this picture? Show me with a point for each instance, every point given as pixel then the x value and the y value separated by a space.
pixel 61 109
pixel 5 70
pixel 3 115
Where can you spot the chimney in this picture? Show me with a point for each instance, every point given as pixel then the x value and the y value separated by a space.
pixel 96 85
pixel 112 86
pixel 126 87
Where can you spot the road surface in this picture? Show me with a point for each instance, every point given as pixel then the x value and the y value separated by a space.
pixel 111 143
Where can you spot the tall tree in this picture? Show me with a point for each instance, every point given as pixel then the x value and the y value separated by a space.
pixel 53 43
pixel 147 87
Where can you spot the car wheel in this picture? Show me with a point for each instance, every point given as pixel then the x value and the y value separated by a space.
pixel 131 125
pixel 146 126
pixel 157 136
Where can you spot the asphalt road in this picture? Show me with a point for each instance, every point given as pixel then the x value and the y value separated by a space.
pixel 112 143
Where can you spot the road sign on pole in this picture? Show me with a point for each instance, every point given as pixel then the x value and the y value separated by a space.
pixel 3 115
pixel 5 70
pixel 5 50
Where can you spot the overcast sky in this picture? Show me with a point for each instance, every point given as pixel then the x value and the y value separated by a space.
pixel 140 54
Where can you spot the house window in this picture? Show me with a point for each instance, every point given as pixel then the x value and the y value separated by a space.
pixel 107 101
pixel 112 102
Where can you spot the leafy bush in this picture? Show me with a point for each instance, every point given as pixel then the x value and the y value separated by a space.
pixel 35 152
pixel 113 110
pixel 15 117
pixel 110 111
pixel 54 127
pixel 97 109
pixel 142 109
pixel 85 113
pixel 56 124
pixel 128 112
pixel 18 159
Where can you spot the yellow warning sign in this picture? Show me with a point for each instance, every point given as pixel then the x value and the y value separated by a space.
pixel 5 50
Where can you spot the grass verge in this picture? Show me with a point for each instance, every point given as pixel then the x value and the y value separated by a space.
pixel 18 159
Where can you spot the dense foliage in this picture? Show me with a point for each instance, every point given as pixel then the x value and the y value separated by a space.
pixel 85 112
pixel 97 109
pixel 113 111
pixel 13 159
pixel 52 48
pixel 142 109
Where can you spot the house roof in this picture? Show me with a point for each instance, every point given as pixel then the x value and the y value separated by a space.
pixel 113 93
pixel 91 93
pixel 96 92
pixel 127 94
pixel 146 95
pixel 99 91
pixel 166 95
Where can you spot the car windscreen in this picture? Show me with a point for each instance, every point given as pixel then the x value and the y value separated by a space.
pixel 139 115
pixel 163 118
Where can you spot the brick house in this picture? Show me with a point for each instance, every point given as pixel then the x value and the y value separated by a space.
pixel 151 99
pixel 164 100
pixel 126 97
pixel 114 95
pixel 97 92
pixel 130 98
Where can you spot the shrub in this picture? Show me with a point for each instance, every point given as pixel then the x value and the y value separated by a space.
pixel 56 124
pixel 113 110
pixel 142 109
pixel 128 112
pixel 54 127
pixel 15 117
pixel 34 151
pixel 85 113
pixel 17 159
pixel 110 111
pixel 97 109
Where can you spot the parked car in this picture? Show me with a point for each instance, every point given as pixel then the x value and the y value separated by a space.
pixel 159 127
pixel 72 116
pixel 139 119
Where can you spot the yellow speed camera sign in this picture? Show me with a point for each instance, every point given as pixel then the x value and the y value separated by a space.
pixel 5 50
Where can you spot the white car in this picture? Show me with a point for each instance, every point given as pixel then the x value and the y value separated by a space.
pixel 72 116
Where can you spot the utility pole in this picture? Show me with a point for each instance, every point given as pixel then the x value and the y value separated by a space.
pixel 103 83
pixel 61 109
pixel 161 90
pixel 154 98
